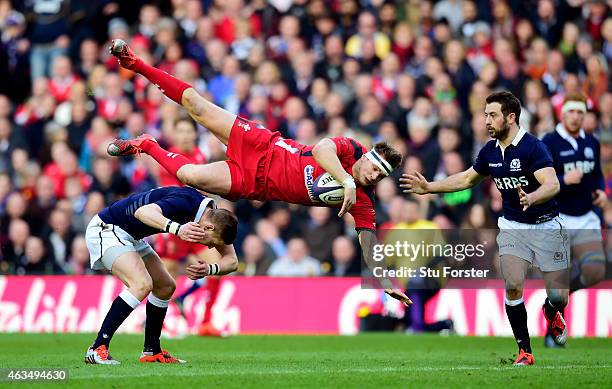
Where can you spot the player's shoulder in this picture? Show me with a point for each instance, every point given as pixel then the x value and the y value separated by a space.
pixel 551 138
pixel 186 192
pixel 590 138
pixel 531 142
pixel 347 140
pixel 488 147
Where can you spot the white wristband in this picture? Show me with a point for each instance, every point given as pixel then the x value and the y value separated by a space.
pixel 349 183
pixel 172 227
pixel 213 269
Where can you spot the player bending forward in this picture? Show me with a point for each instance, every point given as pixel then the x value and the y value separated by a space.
pixel 576 160
pixel 114 239
pixel 530 230
pixel 261 164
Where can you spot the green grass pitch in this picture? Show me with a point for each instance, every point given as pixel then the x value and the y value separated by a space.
pixel 365 361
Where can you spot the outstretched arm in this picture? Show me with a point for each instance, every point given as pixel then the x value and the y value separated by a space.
pixel 418 184
pixel 367 241
pixel 152 215
pixel 325 153
pixel 225 262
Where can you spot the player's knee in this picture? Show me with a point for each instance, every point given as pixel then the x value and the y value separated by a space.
pixel 193 102
pixel 593 272
pixel 514 289
pixel 187 174
pixel 165 289
pixel 142 286
pixel 558 297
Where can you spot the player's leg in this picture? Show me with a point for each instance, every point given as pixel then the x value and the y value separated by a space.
pixel 157 306
pixel 513 271
pixel 207 328
pixel 214 118
pixel 128 267
pixel 557 292
pixel 592 264
pixel 172 266
pixel 213 177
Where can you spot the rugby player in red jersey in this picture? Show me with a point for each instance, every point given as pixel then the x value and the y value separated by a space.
pixel 261 164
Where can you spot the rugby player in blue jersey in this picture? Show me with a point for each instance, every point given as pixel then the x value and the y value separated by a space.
pixel 576 159
pixel 115 242
pixel 531 232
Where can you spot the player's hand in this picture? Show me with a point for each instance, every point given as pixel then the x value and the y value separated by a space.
pixel 191 232
pixel 573 177
pixel 350 198
pixel 197 270
pixel 414 183
pixel 600 199
pixel 524 198
pixel 399 295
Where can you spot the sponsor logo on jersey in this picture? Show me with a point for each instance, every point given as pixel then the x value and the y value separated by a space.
pixel 566 153
pixel 498 164
pixel 585 167
pixel 504 183
pixel 309 180
pixel 515 165
pixel 588 153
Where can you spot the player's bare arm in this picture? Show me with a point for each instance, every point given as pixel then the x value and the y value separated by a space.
pixel 549 187
pixel 367 241
pixel 416 183
pixel 226 263
pixel 151 215
pixel 325 153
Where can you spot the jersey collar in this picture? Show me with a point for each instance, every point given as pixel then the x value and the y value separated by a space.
pixel 519 135
pixel 570 139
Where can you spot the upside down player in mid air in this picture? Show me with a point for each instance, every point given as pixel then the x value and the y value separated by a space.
pixel 576 158
pixel 530 230
pixel 114 240
pixel 261 164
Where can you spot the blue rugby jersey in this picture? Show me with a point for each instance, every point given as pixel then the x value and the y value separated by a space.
pixel 575 153
pixel 515 166
pixel 180 204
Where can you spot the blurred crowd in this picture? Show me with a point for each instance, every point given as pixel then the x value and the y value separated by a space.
pixel 414 73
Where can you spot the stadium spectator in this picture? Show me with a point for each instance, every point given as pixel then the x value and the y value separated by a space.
pixel 59 239
pixel 257 256
pixel 34 259
pixel 296 263
pixel 319 231
pixel 344 260
pixel 78 263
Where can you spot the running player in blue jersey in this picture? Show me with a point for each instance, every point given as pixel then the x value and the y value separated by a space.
pixel 576 160
pixel 531 231
pixel 115 242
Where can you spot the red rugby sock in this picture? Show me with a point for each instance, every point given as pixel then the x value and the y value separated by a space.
pixel 171 161
pixel 169 85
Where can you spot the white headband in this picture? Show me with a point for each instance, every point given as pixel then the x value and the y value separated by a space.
pixel 577 105
pixel 384 166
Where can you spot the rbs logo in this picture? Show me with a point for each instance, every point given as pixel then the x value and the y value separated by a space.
pixel 510 182
pixel 585 167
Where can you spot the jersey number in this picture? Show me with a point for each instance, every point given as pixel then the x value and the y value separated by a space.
pixel 282 144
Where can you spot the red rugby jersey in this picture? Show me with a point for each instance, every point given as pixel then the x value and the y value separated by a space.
pixel 292 171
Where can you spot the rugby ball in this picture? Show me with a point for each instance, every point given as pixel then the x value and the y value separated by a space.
pixel 328 190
